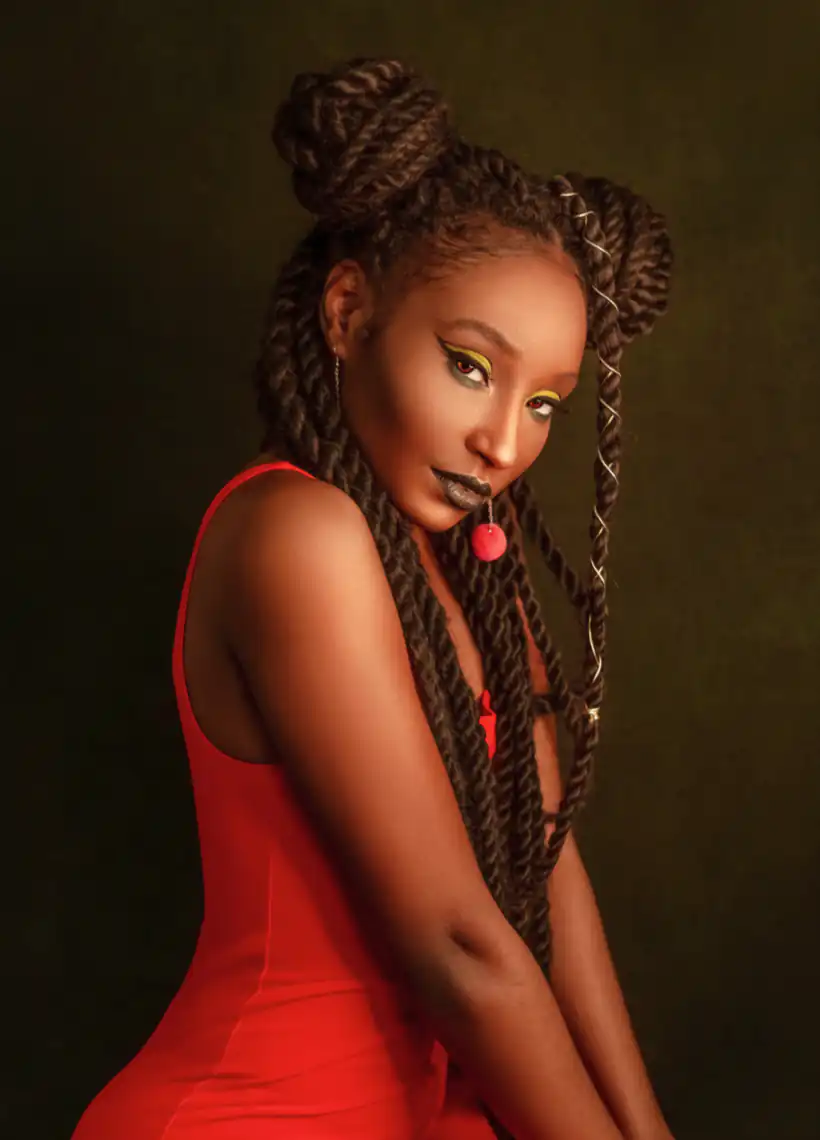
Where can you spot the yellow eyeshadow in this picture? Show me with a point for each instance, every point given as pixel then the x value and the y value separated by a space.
pixel 472 355
pixel 548 394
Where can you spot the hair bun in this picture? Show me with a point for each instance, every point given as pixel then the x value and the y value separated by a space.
pixel 636 239
pixel 359 135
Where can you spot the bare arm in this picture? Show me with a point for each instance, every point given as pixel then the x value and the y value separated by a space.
pixel 583 975
pixel 309 615
pixel 587 989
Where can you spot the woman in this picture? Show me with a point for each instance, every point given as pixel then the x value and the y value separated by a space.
pixel 362 670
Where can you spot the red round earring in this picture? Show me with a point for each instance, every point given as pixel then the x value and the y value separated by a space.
pixel 488 540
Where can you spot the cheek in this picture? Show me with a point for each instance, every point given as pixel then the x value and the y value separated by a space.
pixel 431 425
pixel 419 408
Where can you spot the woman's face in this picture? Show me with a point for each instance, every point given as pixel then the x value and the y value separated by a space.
pixel 463 377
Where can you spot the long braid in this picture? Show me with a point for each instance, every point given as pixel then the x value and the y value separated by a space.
pixel 583 722
pixel 470 581
pixel 479 592
pixel 393 186
pixel 532 524
pixel 519 782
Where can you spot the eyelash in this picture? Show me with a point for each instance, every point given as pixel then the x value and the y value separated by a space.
pixel 456 358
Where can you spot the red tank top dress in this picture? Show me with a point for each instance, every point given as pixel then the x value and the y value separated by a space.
pixel 284 1027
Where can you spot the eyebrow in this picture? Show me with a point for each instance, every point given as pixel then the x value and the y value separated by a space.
pixel 497 338
pixel 486 330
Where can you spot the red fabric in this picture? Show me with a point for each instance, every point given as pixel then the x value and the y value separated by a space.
pixel 285 1026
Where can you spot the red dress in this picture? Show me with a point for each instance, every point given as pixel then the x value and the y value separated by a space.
pixel 285 1027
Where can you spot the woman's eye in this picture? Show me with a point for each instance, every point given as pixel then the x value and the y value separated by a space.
pixel 541 407
pixel 465 368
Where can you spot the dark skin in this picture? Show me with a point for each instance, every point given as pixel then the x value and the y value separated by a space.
pixel 398 392
pixel 421 393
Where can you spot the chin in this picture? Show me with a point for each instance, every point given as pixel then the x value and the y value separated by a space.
pixel 445 519
pixel 435 518
pixel 439 528
pixel 425 506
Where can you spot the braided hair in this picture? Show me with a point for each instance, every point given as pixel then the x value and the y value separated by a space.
pixel 391 184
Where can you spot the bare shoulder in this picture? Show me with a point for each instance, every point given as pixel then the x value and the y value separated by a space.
pixel 300 560
pixel 290 530
pixel 290 496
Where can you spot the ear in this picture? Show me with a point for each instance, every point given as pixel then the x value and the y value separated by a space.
pixel 346 307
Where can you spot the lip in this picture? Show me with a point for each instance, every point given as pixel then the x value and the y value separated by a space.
pixel 464 492
pixel 477 486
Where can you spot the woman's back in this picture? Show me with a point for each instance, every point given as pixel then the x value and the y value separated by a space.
pixel 288 1023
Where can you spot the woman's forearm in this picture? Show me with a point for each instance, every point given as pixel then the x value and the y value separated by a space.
pixel 500 1022
pixel 586 987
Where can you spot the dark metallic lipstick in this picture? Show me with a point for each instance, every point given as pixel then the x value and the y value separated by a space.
pixel 464 492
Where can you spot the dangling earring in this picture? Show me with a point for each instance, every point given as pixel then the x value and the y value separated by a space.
pixel 337 381
pixel 488 540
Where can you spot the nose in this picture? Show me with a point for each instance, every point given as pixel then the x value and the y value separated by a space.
pixel 496 438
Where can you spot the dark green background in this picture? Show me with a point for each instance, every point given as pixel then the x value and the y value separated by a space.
pixel 144 215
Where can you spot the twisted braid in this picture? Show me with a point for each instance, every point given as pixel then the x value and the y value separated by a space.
pixel 532 523
pixel 392 185
pixel 379 126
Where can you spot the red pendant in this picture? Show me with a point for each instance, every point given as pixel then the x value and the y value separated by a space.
pixel 488 542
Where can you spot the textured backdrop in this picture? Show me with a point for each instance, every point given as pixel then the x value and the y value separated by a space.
pixel 144 216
